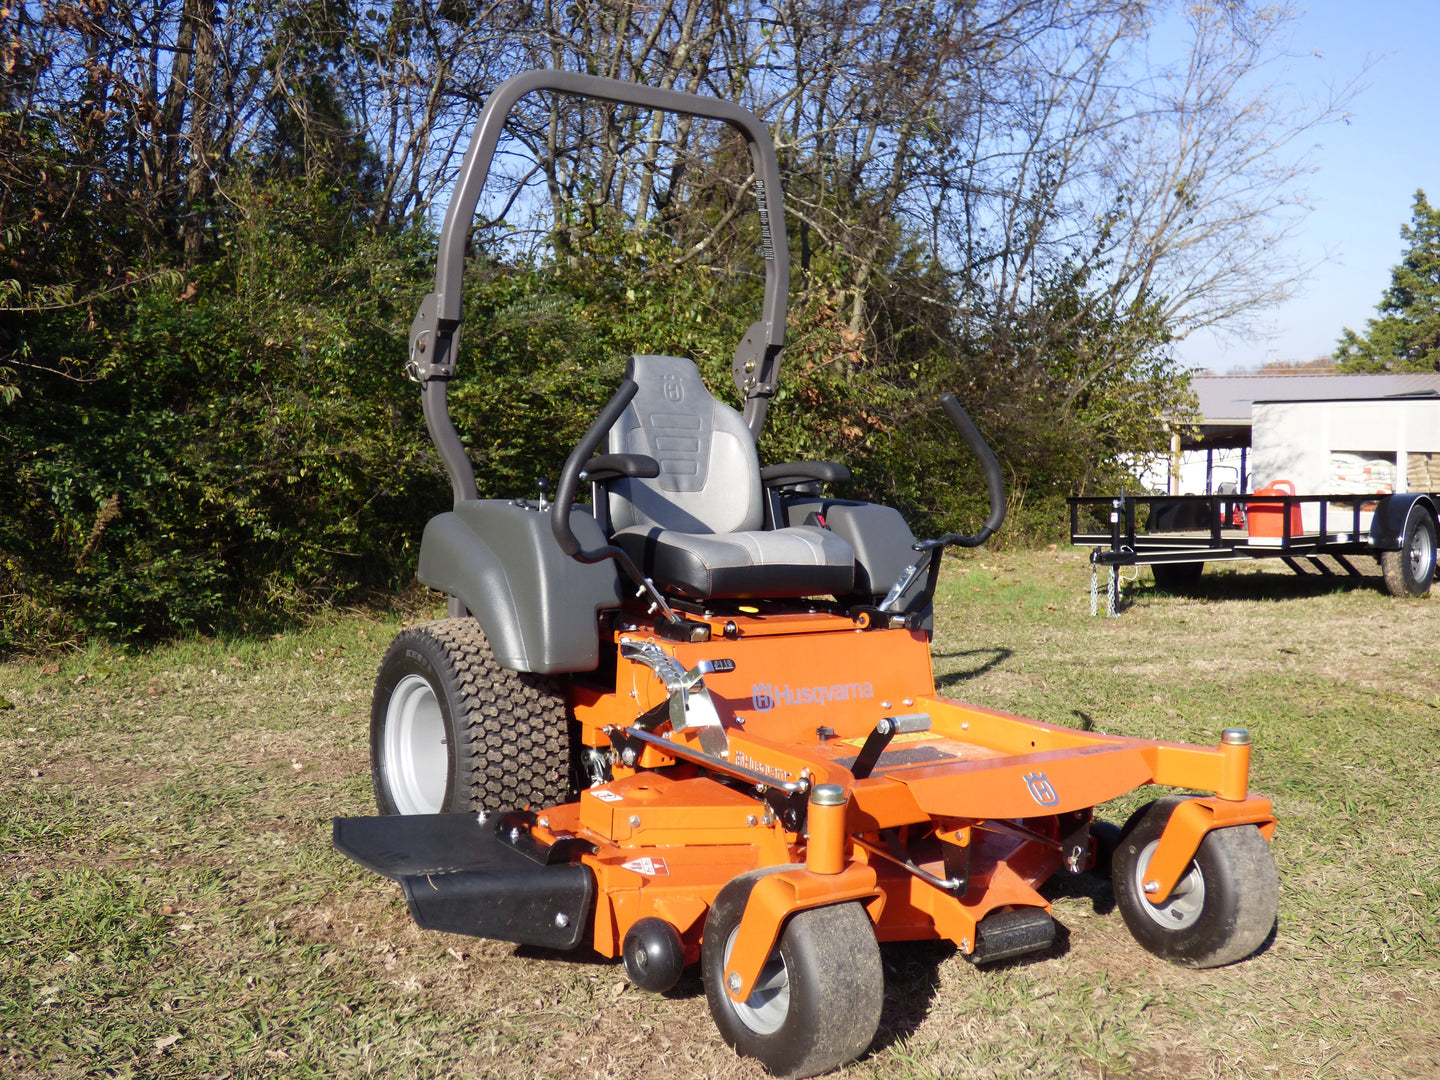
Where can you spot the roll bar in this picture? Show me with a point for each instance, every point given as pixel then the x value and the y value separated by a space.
pixel 435 332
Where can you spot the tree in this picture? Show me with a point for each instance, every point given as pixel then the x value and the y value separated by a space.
pixel 215 218
pixel 1406 336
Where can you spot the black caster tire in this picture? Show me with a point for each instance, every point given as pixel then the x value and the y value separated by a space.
pixel 817 1003
pixel 1221 911
pixel 453 731
pixel 654 955
pixel 1410 571
pixel 1105 839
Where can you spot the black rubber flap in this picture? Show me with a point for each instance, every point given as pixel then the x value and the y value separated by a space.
pixel 527 903
pixel 1003 934
pixel 460 876
pixel 403 844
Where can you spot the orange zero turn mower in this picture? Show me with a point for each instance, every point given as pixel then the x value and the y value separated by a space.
pixel 694 719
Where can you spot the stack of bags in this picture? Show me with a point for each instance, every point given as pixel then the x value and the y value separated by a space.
pixel 1422 472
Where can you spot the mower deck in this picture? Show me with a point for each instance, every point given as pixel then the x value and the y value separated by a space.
pixel 957 812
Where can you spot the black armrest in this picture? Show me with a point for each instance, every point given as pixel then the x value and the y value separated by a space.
pixel 604 467
pixel 803 472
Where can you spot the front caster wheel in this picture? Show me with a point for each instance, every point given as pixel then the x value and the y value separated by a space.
pixel 817 1002
pixel 1222 909
pixel 451 730
pixel 1104 839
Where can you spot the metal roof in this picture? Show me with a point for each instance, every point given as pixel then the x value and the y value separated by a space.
pixel 1225 401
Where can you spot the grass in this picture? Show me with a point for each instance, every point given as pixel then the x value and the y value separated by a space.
pixel 170 905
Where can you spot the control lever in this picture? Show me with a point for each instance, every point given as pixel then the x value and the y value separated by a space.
pixel 995 486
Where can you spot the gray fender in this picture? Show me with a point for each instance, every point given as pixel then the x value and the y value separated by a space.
pixel 536 605
pixel 1393 515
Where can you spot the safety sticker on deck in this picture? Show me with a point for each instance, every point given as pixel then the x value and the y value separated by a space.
pixel 606 796
pixel 896 740
pixel 648 867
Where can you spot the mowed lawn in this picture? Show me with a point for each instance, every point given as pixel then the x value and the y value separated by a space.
pixel 170 905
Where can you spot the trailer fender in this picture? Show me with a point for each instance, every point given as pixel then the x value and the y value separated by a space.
pixel 1188 826
pixel 1393 515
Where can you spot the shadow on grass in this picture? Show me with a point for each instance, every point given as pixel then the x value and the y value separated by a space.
pixel 1087 886
pixel 912 982
pixel 980 660
pixel 1276 586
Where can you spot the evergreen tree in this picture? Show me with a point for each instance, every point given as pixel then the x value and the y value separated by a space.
pixel 1406 336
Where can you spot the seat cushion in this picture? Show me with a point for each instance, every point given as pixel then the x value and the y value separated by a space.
pixel 709 478
pixel 801 561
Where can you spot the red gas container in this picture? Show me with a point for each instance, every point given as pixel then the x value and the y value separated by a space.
pixel 1266 519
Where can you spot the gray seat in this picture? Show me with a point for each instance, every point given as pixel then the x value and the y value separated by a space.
pixel 697 527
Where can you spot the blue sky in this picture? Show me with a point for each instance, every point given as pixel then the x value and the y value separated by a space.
pixel 1366 175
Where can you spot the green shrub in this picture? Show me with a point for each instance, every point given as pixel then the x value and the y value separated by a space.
pixel 236 443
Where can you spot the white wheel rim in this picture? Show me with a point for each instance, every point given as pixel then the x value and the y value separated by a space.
pixel 416 764
pixel 1422 553
pixel 764 1011
pixel 1183 907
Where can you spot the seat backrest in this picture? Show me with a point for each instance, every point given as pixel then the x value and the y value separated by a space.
pixel 709 478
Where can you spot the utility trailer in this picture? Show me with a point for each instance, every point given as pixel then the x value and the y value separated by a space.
pixel 1345 478
pixel 1176 535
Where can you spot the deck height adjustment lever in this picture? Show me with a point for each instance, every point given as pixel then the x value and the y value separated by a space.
pixel 690 703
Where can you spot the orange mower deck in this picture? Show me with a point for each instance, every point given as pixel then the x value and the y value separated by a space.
pixel 966 814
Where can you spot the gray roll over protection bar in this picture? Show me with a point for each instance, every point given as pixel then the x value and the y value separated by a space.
pixel 435 332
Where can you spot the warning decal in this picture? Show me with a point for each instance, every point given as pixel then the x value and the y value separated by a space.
pixel 648 867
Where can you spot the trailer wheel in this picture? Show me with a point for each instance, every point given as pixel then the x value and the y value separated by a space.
pixel 1221 911
pixel 451 730
pixel 1409 571
pixel 817 1003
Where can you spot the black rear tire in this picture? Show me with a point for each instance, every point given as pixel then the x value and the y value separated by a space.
pixel 1410 571
pixel 451 730
pixel 1222 909
pixel 818 1001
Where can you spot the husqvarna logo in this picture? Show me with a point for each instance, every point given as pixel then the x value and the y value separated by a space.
pixel 672 388
pixel 745 761
pixel 1041 790
pixel 765 696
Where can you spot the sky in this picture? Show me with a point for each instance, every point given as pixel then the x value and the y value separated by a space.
pixel 1367 172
